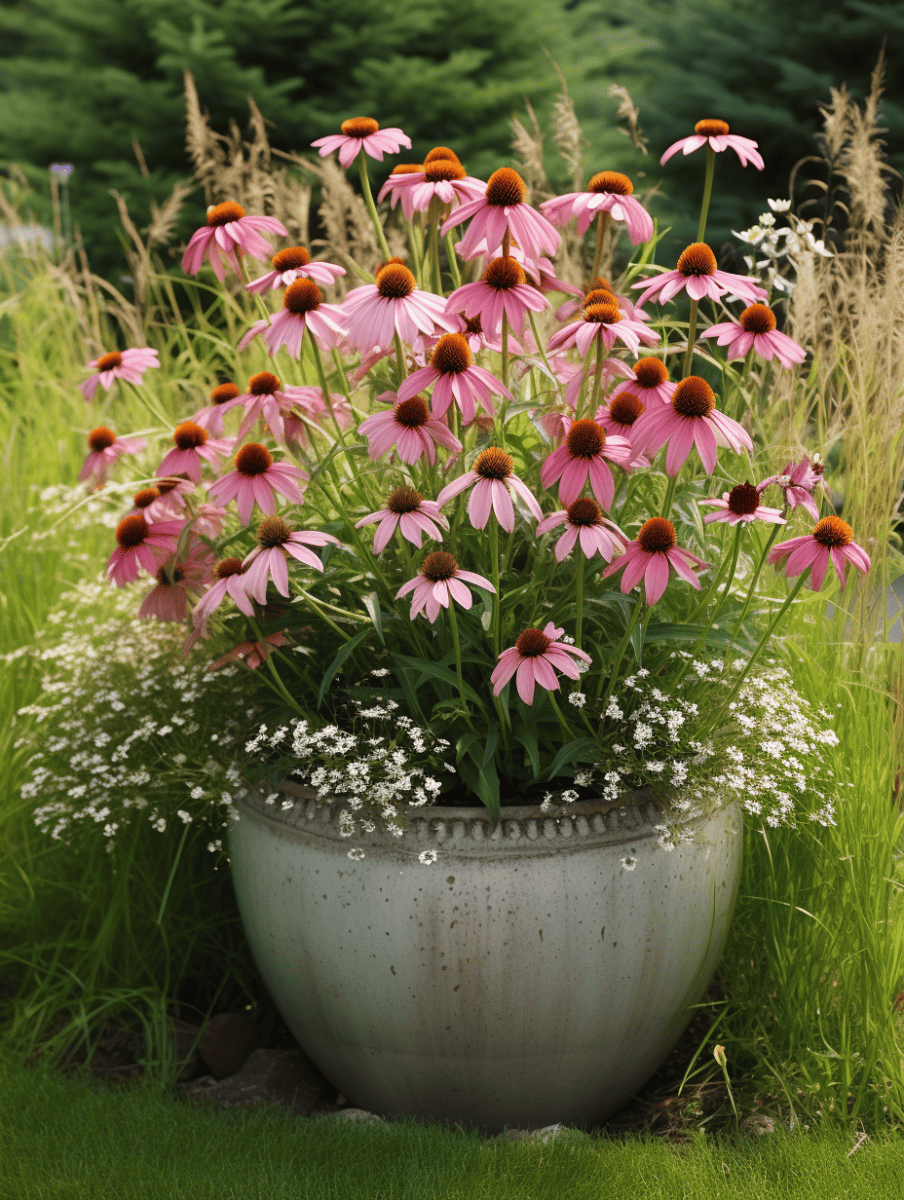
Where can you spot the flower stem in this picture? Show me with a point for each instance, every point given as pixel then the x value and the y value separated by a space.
pixel 268 659
pixel 436 274
pixel 601 222
pixel 453 261
pixel 707 190
pixel 691 339
pixel 569 732
pixel 371 207
pixel 718 607
pixel 494 556
pixel 669 496
pixel 555 379
pixel 579 591
pixel 619 654
pixel 324 386
pixel 773 534
pixel 505 349
pixel 597 378
pixel 453 625
pixel 400 357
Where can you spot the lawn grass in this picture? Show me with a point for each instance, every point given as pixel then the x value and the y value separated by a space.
pixel 70 1139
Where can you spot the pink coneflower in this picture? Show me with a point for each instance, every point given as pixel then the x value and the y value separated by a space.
pixel 268 560
pixel 652 556
pixel 394 304
pixel 649 382
pixel 310 408
pixel 303 308
pixel 532 660
pixel 618 417
pixel 604 321
pixel 601 292
pixel 408 426
pixel 478 340
pixel 610 192
pixel 291 264
pixel 458 379
pixel 141 544
pixel 228 232
pixel 741 506
pixel 168 598
pixel 582 457
pixel 587 525
pixel 105 447
pixel 540 272
pixel 502 290
pixel 831 540
pixel 362 133
pixel 255 480
pixel 697 273
pixel 573 375
pixel 192 445
pixel 268 400
pixel 715 135
pixel 128 365
pixel 442 179
pixel 492 477
pixel 755 330
pixel 502 210
pixel 211 416
pixel 253 653
pixel 231 582
pixel 690 419
pixel 397 193
pixel 409 512
pixel 164 500
pixel 798 481
pixel 439 580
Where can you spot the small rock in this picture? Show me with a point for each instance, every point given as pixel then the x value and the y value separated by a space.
pixel 757 1125
pixel 226 1043
pixel 540 1136
pixel 359 1116
pixel 276 1077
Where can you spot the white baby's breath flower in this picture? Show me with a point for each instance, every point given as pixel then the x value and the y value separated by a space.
pixel 578 699
pixel 427 856
pixel 629 863
pixel 356 854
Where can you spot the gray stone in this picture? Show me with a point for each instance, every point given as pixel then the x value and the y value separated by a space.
pixel 227 1041
pixel 541 1136
pixel 359 1116
pixel 282 1078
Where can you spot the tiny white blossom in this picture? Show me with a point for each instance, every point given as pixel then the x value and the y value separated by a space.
pixel 427 856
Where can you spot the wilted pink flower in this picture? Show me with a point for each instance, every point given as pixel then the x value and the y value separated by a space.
pixel 651 557
pixel 255 480
pixel 501 210
pixel 291 264
pixel 141 544
pixel 228 232
pixel 532 659
pixel 440 580
pixel 192 445
pixel 715 134
pixel 277 541
pixel 755 330
pixel 362 133
pixel 491 477
pixel 230 581
pixel 458 379
pixel 105 447
pixel 609 191
pixel 129 365
pixel 741 506
pixel 409 512
pixel 211 416
pixel 582 457
pixel 690 419
pixel 303 308
pixel 697 273
pixel 168 598
pixel 253 653
pixel 408 426
pixel 394 304
pixel 798 481
pixel 441 178
pixel 502 290
pixel 603 320
pixel 832 540
pixel 587 526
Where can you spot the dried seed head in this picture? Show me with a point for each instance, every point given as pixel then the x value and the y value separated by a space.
pixel 584 511
pixel 693 397
pixel 697 259
pixel 612 182
pixel 711 128
pixel 131 531
pixel 606 313
pixel 273 532
pixel 263 384
pixel 505 187
pixel 223 392
pixel 625 408
pixel 412 413
pixel 503 274
pixel 650 372
pixel 743 499
pixel 585 439
pixel 833 532
pixel 188 436
pixel 229 566
pixel 657 534
pixel 107 362
pixel 302 296
pixel 145 497
pixel 395 282
pixel 101 438
pixel 758 318
pixel 493 463
pixel 451 355
pixel 438 566
pixel 253 459
pixel 443 168
pixel 442 152
pixel 532 643
pixel 359 127
pixel 291 257
pixel 404 500
pixel 222 214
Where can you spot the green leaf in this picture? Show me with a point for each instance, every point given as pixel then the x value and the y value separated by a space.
pixel 372 603
pixel 491 743
pixel 330 673
pixel 580 750
pixel 484 782
pixel 527 736
pixel 435 671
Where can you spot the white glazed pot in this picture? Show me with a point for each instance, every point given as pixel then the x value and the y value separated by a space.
pixel 526 978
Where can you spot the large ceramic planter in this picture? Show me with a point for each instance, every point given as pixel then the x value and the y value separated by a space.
pixel 525 978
